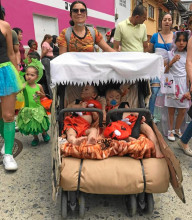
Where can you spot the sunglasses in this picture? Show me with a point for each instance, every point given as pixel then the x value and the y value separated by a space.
pixel 76 10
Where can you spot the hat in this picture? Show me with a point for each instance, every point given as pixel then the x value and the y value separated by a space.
pixel 108 33
pixel 37 65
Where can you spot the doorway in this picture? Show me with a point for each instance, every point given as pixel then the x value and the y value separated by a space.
pixel 44 25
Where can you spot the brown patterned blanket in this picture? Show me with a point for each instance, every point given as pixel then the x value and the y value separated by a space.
pixel 138 149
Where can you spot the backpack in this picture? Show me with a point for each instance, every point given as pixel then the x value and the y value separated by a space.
pixel 69 31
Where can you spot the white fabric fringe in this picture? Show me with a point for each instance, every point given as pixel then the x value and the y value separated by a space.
pixel 82 68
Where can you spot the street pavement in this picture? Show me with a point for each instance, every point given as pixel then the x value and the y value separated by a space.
pixel 26 194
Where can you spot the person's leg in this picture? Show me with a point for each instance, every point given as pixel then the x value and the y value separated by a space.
pixel 92 135
pixel 179 120
pixel 72 137
pixel 2 131
pixel 45 136
pixel 35 141
pixel 148 131
pixel 171 113
pixel 187 134
pixel 1 123
pixel 183 142
pixel 154 90
pixel 8 112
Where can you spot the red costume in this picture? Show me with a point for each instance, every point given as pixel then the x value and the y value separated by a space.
pixel 77 123
pixel 120 130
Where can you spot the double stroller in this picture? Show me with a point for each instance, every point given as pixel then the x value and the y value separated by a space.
pixel 137 179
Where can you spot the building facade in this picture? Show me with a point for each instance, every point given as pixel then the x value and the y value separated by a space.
pixel 39 17
pixel 155 11
pixel 122 10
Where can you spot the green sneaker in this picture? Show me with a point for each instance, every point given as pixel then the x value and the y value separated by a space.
pixel 35 142
pixel 46 138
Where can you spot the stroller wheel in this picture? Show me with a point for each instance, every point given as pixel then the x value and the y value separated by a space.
pixel 149 204
pixel 73 200
pixel 81 205
pixel 64 204
pixel 131 204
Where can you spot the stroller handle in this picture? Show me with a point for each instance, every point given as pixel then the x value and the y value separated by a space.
pixel 143 111
pixel 83 110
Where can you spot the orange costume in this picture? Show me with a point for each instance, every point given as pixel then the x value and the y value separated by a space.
pixel 85 44
pixel 77 123
pixel 120 129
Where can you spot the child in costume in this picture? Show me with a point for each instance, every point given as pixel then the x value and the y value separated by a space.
pixel 122 123
pixel 78 125
pixel 19 98
pixel 32 119
pixel 180 100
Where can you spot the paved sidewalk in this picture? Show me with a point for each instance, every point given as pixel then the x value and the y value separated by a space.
pixel 26 194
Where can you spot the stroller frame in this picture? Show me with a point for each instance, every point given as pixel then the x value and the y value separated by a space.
pixel 143 198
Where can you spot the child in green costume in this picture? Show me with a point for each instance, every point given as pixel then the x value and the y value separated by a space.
pixel 33 119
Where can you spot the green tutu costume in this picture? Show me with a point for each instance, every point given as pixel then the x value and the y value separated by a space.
pixel 32 119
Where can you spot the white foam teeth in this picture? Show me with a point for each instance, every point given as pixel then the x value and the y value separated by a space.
pixel 79 113
pixel 117 133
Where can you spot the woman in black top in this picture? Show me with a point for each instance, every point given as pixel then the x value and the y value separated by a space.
pixel 54 46
pixel 10 84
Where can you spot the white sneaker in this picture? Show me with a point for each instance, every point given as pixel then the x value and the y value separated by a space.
pixel 3 149
pixel 171 136
pixel 9 162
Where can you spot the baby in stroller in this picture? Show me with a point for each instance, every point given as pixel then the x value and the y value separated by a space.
pixel 122 123
pixel 78 126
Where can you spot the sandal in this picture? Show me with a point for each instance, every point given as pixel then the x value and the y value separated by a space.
pixel 178 133
pixel 171 137
pixel 34 142
pixel 187 150
pixel 46 138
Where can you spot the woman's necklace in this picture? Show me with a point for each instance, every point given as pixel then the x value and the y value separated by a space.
pixel 78 36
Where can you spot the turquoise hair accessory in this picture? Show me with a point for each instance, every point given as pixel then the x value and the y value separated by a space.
pixel 37 65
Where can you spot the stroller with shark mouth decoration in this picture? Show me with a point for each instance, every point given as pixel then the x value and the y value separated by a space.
pixel 81 174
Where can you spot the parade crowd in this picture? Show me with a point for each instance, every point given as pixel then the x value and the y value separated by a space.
pixel 23 84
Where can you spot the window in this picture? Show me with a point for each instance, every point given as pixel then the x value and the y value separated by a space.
pixel 122 3
pixel 160 18
pixel 151 12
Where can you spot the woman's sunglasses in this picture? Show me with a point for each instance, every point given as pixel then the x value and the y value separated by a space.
pixel 76 10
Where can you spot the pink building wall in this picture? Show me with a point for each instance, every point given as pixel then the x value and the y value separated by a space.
pixel 19 13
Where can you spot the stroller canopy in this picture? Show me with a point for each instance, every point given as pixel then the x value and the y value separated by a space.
pixel 78 68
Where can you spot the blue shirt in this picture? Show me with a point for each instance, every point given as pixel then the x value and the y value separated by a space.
pixel 154 41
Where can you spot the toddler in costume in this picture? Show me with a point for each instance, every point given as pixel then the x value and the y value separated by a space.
pixel 78 125
pixel 122 123
pixel 33 119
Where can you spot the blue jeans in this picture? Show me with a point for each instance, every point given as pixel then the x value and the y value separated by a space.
pixel 153 97
pixel 187 134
